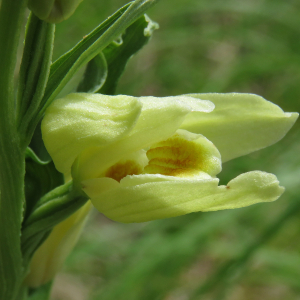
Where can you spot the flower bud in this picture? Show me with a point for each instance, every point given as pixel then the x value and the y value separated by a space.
pixel 53 11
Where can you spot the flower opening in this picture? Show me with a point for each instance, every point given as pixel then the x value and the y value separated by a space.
pixel 121 169
pixel 184 154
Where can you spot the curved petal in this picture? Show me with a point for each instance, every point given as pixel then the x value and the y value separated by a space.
pixel 247 189
pixel 164 199
pixel 240 123
pixel 147 178
pixel 94 187
pixel 159 119
pixel 80 121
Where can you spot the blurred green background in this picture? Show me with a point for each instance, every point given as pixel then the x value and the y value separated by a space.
pixel 246 254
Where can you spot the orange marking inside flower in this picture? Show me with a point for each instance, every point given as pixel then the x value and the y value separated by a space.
pixel 176 156
pixel 122 169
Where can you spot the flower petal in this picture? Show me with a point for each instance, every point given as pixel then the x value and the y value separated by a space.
pixel 80 121
pixel 157 199
pixel 247 189
pixel 240 123
pixel 159 119
pixel 94 187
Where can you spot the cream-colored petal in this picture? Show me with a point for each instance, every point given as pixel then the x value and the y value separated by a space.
pixel 129 165
pixel 147 178
pixel 247 189
pixel 95 186
pixel 132 164
pixel 194 103
pixel 240 123
pixel 81 121
pixel 165 199
pixel 159 119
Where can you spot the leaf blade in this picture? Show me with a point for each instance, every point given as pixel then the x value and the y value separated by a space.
pixel 118 54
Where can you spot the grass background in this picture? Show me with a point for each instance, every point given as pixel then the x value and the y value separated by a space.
pixel 245 254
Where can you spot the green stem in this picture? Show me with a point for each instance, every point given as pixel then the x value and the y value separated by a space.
pixel 12 156
pixel 11 19
pixel 11 208
pixel 229 269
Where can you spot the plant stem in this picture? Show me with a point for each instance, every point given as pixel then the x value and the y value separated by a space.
pixel 11 19
pixel 11 208
pixel 12 155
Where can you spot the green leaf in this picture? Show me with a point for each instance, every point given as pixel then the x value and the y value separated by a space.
pixel 40 178
pixel 94 76
pixel 37 145
pixel 49 211
pixel 30 154
pixel 66 66
pixel 35 68
pixel 117 53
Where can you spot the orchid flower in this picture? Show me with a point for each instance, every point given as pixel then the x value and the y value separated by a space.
pixel 147 158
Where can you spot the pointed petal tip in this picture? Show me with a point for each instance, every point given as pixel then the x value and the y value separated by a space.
pixel 293 115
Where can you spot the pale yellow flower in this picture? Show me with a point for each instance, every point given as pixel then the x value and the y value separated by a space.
pixel 147 158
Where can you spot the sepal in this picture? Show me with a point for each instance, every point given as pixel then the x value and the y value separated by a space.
pixel 240 123
pixel 80 121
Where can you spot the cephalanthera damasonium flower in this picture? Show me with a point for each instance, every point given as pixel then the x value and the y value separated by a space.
pixel 147 158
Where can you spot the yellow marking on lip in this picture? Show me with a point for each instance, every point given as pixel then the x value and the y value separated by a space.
pixel 173 157
pixel 178 172
pixel 180 155
pixel 122 169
